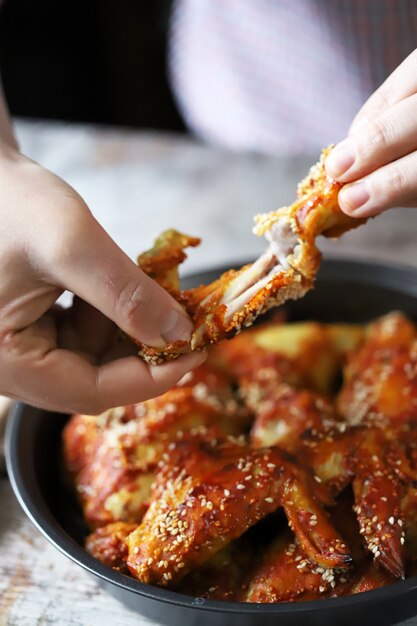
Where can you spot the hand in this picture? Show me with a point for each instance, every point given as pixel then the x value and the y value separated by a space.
pixel 379 156
pixel 69 360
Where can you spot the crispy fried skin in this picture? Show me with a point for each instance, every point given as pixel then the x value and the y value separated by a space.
pixel 113 457
pixel 285 271
pixel 380 379
pixel 286 574
pixel 284 372
pixel 213 496
pixel 223 576
pixel 108 544
pixel 367 577
pixel 176 481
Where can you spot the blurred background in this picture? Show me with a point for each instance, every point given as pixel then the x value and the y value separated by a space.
pixel 87 82
pixel 88 61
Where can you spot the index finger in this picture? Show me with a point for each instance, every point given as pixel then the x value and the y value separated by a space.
pixel 61 380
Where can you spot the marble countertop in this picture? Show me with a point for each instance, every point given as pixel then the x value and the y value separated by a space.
pixel 138 184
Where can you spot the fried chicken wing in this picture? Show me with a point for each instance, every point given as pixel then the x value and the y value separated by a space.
pixel 190 491
pixel 368 441
pixel 108 544
pixel 286 574
pixel 286 373
pixel 381 378
pixel 223 576
pixel 113 458
pixel 213 495
pixel 286 270
pixel 304 355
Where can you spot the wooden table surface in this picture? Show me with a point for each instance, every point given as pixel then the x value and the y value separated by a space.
pixel 138 184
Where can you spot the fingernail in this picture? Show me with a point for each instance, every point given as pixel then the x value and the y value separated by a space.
pixel 354 196
pixel 176 327
pixel 340 159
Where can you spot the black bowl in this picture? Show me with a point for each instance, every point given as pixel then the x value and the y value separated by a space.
pixel 346 291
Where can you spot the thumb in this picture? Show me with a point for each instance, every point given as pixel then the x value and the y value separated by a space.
pixel 92 266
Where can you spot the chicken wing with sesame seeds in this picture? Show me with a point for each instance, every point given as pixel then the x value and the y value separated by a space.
pixel 213 495
pixel 368 459
pixel 286 574
pixel 113 458
pixel 378 493
pixel 286 270
pixel 190 490
pixel 304 355
pixel 367 577
pixel 380 380
pixel 283 372
pixel 108 544
pixel 223 576
pixel 330 453
pixel 287 414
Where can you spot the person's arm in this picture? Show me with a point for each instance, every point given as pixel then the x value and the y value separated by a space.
pixel 379 156
pixel 69 360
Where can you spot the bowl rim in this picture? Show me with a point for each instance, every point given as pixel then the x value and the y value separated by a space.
pixel 34 505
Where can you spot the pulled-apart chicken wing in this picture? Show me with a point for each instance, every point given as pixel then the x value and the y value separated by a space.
pixel 286 270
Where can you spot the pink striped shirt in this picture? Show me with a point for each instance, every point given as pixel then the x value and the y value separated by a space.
pixel 283 76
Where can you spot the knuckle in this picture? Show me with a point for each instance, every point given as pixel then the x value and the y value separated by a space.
pixel 378 134
pixel 397 180
pixel 382 100
pixel 129 300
